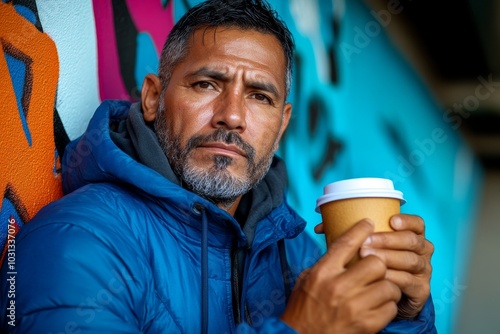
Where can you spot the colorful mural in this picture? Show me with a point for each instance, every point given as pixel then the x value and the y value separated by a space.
pixel 138 30
pixel 359 110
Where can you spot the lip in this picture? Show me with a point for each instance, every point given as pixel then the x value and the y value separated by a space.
pixel 224 148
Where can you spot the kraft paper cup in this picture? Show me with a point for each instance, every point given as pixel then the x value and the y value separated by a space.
pixel 346 202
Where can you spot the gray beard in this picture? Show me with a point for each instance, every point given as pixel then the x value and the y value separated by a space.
pixel 216 183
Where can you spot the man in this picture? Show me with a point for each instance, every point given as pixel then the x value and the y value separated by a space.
pixel 175 218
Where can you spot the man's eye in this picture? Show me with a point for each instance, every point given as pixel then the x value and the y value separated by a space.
pixel 203 85
pixel 263 98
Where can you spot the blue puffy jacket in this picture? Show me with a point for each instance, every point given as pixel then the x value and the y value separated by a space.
pixel 129 251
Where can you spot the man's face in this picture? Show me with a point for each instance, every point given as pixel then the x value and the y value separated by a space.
pixel 223 112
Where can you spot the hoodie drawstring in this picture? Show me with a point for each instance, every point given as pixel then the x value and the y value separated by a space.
pixel 204 273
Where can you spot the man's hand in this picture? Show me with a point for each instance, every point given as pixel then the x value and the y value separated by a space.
pixel 407 255
pixel 328 298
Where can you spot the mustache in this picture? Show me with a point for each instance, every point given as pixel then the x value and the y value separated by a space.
pixel 224 136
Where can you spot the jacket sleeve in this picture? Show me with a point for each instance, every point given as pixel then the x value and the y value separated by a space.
pixel 270 326
pixel 52 260
pixel 423 324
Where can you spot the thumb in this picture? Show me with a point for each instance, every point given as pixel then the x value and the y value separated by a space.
pixel 345 247
pixel 319 229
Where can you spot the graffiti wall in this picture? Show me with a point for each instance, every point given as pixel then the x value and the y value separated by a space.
pixel 29 69
pixel 359 110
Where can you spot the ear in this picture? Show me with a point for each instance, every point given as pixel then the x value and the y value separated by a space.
pixel 287 113
pixel 150 95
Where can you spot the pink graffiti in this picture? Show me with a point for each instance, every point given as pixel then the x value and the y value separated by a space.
pixel 151 17
pixel 110 81
pixel 148 16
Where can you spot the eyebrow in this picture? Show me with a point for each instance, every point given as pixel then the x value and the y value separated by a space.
pixel 210 73
pixel 218 75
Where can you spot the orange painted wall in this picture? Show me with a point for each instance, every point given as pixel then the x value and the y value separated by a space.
pixel 28 177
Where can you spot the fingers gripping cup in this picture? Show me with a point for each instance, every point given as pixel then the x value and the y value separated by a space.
pixel 346 202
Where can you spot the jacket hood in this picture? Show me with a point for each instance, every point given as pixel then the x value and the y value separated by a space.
pixel 94 157
pixel 137 138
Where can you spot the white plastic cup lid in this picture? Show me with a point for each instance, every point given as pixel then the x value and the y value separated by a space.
pixel 359 187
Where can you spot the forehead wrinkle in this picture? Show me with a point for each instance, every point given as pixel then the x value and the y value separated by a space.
pixel 208 72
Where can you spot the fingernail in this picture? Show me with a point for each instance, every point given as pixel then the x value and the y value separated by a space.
pixel 367 241
pixel 396 222
pixel 363 252
pixel 369 221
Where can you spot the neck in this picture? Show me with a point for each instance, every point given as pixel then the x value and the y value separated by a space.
pixel 231 209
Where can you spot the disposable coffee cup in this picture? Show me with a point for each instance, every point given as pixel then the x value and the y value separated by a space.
pixel 346 202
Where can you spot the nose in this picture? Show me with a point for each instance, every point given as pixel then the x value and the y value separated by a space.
pixel 230 111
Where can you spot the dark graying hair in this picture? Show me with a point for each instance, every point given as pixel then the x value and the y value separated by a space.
pixel 255 15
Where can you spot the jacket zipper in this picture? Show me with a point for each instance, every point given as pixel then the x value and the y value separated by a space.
pixel 285 272
pixel 238 318
pixel 235 286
